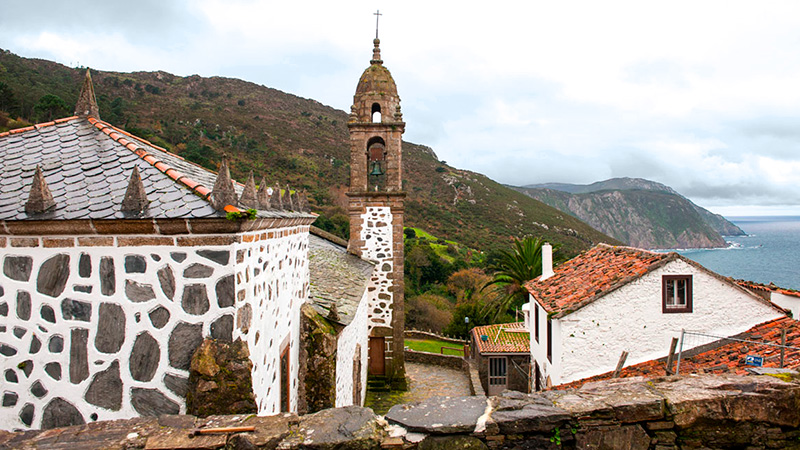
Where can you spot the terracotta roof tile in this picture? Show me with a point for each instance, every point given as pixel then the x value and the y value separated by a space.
pixel 502 338
pixel 593 274
pixel 767 288
pixel 723 356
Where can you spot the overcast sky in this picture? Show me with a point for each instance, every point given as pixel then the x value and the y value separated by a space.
pixel 703 96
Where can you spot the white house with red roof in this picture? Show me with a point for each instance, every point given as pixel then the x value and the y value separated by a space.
pixel 610 300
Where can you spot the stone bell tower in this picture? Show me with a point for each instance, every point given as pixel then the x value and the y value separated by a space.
pixel 376 210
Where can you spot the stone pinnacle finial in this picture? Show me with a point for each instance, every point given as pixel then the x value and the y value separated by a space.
pixel 296 201
pixel 263 194
pixel 376 52
pixel 223 193
pixel 135 200
pixel 275 200
pixel 286 199
pixel 40 198
pixel 87 103
pixel 249 198
pixel 303 205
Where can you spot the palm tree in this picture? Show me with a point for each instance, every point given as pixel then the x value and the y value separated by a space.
pixel 512 270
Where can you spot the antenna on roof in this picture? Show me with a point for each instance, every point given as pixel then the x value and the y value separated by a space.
pixel 377 18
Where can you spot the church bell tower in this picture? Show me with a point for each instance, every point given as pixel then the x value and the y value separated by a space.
pixel 376 211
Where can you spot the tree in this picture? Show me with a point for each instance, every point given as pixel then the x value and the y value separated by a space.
pixel 512 269
pixel 8 103
pixel 51 107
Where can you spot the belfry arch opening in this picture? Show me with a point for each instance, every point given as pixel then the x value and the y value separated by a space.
pixel 376 163
pixel 376 113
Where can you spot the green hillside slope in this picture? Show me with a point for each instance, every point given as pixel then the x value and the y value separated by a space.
pixel 287 139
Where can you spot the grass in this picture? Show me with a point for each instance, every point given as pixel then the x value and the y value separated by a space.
pixel 433 346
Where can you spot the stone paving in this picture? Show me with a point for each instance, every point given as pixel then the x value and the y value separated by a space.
pixel 424 381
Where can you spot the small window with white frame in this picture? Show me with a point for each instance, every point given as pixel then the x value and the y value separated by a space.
pixel 676 294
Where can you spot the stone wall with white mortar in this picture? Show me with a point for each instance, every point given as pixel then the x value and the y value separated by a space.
pixel 103 327
pixel 354 336
pixel 376 233
pixel 590 340
pixel 272 279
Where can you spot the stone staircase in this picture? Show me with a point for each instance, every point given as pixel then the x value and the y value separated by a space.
pixel 378 383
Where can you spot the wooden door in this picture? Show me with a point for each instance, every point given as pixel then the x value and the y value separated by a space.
pixel 285 381
pixel 377 346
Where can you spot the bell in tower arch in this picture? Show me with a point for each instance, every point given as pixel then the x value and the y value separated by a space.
pixel 376 163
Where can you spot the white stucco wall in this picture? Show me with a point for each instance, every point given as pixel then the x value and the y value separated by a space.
pixel 376 232
pixel 539 349
pixel 789 302
pixel 590 340
pixel 353 335
pixel 272 280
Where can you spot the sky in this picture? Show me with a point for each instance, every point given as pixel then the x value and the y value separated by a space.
pixel 703 96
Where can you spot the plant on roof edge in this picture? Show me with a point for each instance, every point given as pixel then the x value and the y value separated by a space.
pixel 249 214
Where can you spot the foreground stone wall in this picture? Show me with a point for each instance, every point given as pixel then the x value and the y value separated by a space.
pixel 104 327
pixel 693 412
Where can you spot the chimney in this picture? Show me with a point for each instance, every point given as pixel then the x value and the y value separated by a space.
pixel 547 261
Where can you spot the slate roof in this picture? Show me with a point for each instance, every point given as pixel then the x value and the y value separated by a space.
pixel 87 164
pixel 502 338
pixel 721 357
pixel 336 277
pixel 592 275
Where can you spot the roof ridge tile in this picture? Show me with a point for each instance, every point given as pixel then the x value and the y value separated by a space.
pixel 116 134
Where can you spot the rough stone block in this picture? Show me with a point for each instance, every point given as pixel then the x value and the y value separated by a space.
pixel 183 341
pixel 78 355
pixel 108 280
pixel 53 275
pixel 195 299
pixel 138 292
pixel 76 310
pixel 135 264
pixel 110 333
pixel 439 415
pixel 60 413
pixel 105 390
pixel 144 357
pixel 151 402
pixel 166 278
pixel 18 267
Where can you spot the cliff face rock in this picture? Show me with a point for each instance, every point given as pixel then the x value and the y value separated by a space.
pixel 639 212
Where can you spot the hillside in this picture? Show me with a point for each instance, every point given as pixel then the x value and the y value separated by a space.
pixel 640 212
pixel 286 138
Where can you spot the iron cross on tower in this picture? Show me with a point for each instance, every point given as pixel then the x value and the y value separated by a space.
pixel 377 18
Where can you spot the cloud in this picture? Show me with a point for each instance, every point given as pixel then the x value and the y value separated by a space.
pixel 699 96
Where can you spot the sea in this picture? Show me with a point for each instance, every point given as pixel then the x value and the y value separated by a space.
pixel 769 253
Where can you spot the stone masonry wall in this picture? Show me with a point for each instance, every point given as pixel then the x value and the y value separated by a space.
pixel 692 412
pixel 376 233
pixel 104 327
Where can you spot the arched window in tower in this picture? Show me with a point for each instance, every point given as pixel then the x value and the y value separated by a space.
pixel 376 113
pixel 376 163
